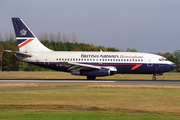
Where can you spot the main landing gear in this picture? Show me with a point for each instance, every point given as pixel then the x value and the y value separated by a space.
pixel 154 78
pixel 91 77
pixel 156 74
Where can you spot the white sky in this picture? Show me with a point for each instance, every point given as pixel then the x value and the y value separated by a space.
pixel 146 25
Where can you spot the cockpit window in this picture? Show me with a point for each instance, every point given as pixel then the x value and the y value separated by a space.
pixel 163 59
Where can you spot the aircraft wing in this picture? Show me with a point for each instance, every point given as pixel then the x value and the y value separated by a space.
pixel 18 53
pixel 79 66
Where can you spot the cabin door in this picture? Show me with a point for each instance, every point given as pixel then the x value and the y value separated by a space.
pixel 150 64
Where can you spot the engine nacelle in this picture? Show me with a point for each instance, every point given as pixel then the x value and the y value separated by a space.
pixel 96 73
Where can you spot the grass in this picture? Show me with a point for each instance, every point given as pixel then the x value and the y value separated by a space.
pixel 92 102
pixel 85 116
pixel 62 75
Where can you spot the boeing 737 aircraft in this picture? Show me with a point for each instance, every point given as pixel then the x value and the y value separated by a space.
pixel 90 64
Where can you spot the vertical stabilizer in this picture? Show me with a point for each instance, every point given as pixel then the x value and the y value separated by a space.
pixel 27 41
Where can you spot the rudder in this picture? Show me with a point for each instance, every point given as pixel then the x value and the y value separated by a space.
pixel 27 41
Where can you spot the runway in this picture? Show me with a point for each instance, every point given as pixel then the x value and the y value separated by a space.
pixel 122 82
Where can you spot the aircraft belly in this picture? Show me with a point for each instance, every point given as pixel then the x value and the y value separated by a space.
pixel 122 68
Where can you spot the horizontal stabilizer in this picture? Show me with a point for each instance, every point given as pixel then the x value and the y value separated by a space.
pixel 18 53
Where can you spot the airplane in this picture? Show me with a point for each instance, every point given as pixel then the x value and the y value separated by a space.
pixel 90 64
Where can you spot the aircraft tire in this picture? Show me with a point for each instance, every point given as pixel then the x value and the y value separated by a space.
pixel 91 78
pixel 154 78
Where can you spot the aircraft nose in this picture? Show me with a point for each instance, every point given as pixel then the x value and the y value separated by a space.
pixel 173 66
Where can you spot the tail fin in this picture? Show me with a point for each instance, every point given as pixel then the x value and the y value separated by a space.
pixel 27 41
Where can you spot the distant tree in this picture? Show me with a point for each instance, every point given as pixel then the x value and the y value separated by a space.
pixel 134 50
pixel 51 36
pixel 40 36
pixel 22 66
pixel 102 48
pixel 174 60
pixel 59 37
pixel 166 55
pixel 1 55
pixel 112 49
pixel 10 63
pixel 11 35
pixel 74 38
pixel 0 36
pixel 92 48
pixel 65 38
pixel 131 50
pixel 177 54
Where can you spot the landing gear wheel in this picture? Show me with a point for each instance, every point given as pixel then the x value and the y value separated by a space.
pixel 91 78
pixel 154 78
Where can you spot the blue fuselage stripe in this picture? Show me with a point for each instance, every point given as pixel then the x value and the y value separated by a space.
pixel 121 67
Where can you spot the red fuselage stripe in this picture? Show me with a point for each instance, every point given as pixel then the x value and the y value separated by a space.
pixel 136 66
pixel 26 42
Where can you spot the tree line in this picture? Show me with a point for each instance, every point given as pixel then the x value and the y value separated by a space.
pixel 8 61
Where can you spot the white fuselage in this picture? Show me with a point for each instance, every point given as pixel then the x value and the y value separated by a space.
pixel 120 60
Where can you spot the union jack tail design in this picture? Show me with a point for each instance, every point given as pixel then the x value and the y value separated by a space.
pixel 27 41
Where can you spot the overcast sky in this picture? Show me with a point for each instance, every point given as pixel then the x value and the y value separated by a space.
pixel 146 25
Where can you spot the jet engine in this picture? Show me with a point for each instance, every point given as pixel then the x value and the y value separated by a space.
pixel 97 73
